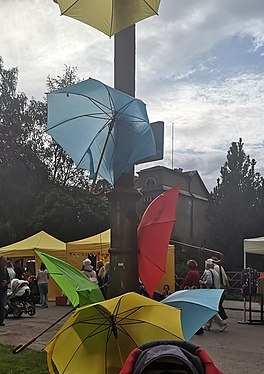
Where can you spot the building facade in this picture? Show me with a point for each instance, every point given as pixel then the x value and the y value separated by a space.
pixel 191 216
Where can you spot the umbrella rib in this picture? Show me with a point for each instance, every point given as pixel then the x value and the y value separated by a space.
pixel 66 10
pixel 121 328
pixel 117 307
pixel 124 107
pixel 154 11
pixel 112 17
pixel 98 133
pixel 128 315
pixel 161 328
pixel 111 101
pixel 97 103
pixel 79 346
pixel 105 315
pixel 92 115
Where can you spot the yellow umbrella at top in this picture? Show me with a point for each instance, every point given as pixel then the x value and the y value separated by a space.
pixel 109 16
pixel 101 336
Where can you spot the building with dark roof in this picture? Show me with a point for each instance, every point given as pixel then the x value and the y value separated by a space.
pixel 191 222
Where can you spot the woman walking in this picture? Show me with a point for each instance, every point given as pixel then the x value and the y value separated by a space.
pixel 42 279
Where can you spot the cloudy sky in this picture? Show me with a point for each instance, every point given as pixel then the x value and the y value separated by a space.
pixel 199 69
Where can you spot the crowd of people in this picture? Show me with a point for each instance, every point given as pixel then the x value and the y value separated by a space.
pixel 213 276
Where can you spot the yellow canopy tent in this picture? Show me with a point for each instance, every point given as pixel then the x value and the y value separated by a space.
pixel 78 250
pixel 99 244
pixel 43 242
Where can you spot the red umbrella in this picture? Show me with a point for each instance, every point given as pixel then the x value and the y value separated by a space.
pixel 153 233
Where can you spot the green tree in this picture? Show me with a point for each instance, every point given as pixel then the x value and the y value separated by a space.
pixel 236 205
pixel 70 213
pixel 21 171
pixel 40 187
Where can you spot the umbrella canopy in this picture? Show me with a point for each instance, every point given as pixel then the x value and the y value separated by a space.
pixel 109 16
pixel 197 307
pixel 154 232
pixel 101 336
pixel 77 287
pixel 102 129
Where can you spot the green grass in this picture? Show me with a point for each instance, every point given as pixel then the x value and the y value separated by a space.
pixel 26 362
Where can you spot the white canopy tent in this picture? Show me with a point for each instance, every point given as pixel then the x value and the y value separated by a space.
pixel 255 246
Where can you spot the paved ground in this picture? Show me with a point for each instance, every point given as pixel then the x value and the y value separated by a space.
pixel 239 349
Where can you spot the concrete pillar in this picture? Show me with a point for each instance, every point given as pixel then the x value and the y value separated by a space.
pixel 123 198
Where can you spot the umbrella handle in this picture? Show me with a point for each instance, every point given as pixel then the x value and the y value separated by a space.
pixel 21 347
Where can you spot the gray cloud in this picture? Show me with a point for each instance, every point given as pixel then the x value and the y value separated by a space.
pixel 171 49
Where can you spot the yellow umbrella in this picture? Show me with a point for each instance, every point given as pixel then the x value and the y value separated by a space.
pixel 109 16
pixel 100 336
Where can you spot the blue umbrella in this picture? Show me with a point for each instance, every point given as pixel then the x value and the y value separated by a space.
pixel 102 129
pixel 197 306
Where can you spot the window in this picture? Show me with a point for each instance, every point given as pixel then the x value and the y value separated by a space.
pixel 150 182
pixel 147 199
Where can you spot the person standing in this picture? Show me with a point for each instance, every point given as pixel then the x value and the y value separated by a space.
pixel 211 279
pixel 192 278
pixel 191 282
pixel 4 280
pixel 166 291
pixel 100 272
pixel 18 270
pixel 42 279
pixel 11 274
pixel 224 284
pixel 106 279
pixel 88 270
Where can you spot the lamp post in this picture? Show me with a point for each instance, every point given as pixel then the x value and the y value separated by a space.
pixel 123 198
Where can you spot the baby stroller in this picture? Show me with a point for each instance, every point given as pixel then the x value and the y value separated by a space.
pixel 18 299
pixel 169 356
pixel 34 290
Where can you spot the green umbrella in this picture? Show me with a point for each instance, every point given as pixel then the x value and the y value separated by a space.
pixel 76 285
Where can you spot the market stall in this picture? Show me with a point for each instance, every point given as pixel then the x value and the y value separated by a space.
pixel 24 251
pixel 96 248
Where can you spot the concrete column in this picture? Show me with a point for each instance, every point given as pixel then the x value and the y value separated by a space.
pixel 123 198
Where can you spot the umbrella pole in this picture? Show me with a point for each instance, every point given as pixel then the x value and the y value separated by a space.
pixel 101 157
pixel 114 330
pixel 21 347
pixel 119 351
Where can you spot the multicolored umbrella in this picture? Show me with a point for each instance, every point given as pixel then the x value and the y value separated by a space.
pixel 79 289
pixel 99 337
pixel 102 129
pixel 109 16
pixel 197 307
pixel 154 233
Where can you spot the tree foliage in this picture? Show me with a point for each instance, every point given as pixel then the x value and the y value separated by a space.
pixel 236 209
pixel 41 188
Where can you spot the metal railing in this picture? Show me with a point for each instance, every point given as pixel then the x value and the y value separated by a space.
pixel 234 278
